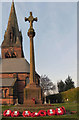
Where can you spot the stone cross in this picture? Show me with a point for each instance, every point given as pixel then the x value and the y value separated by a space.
pixel 30 19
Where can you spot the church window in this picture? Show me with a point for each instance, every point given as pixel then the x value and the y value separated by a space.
pixel 13 55
pixel 5 92
pixel 7 55
pixel 27 81
pixel 11 37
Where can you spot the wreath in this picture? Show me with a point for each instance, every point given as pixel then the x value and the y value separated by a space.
pixel 15 114
pixel 7 113
pixel 51 112
pixel 42 113
pixel 59 111
pixel 34 114
pixel 64 109
pixel 26 114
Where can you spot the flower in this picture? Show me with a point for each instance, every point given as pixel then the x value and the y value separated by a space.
pixel 26 114
pixel 34 114
pixel 15 114
pixel 51 112
pixel 59 111
pixel 33 99
pixel 42 113
pixel 7 113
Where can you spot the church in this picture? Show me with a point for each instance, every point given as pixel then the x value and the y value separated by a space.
pixel 14 68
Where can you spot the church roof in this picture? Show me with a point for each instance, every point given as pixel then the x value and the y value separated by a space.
pixel 14 65
pixel 7 82
pixel 12 18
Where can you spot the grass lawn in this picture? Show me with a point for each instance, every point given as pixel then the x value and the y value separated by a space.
pixel 68 106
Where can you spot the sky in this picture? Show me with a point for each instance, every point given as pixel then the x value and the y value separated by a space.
pixel 55 42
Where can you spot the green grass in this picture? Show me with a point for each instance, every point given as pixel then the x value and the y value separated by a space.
pixel 68 106
pixel 71 94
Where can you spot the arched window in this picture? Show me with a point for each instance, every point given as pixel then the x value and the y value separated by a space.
pixel 13 55
pixel 5 92
pixel 7 55
pixel 27 81
pixel 11 37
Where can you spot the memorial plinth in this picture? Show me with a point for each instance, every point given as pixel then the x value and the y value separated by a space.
pixel 32 92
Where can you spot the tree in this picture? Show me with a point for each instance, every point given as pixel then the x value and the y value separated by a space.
pixel 46 84
pixel 61 86
pixel 69 83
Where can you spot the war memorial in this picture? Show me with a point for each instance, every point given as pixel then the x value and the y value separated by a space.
pixel 20 93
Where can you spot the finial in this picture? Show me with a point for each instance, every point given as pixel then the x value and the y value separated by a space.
pixel 30 13
pixel 31 19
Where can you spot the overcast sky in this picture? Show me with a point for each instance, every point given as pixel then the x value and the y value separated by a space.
pixel 55 42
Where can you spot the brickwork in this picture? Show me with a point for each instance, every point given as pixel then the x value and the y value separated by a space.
pixel 6 101
pixel 16 50
pixel 6 75
pixel 20 85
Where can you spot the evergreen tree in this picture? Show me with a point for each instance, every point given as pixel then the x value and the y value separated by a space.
pixel 69 83
pixel 61 86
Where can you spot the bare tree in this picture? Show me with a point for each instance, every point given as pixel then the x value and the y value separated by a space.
pixel 47 85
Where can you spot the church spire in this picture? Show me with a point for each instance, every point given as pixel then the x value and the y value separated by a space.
pixel 12 22
pixel 12 32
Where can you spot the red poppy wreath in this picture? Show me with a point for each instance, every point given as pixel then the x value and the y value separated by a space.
pixel 64 109
pixel 42 113
pixel 15 114
pixel 26 114
pixel 7 113
pixel 51 112
pixel 59 111
pixel 34 114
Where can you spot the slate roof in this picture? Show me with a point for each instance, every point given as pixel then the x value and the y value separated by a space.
pixel 14 65
pixel 6 82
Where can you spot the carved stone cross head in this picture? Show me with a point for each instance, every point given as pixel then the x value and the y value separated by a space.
pixel 31 19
